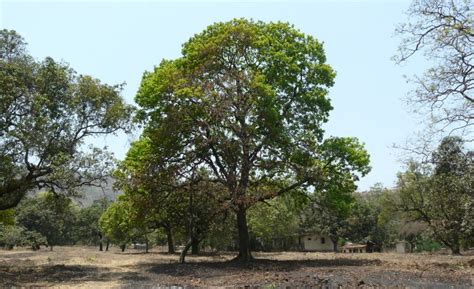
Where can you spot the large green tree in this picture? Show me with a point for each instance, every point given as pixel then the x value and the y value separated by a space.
pixel 246 101
pixel 47 112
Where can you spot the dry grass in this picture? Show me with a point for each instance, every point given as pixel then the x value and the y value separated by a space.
pixel 87 267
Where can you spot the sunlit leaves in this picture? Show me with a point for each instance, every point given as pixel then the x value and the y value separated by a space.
pixel 47 112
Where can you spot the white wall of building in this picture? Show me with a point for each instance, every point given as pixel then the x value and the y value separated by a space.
pixel 317 243
pixel 402 247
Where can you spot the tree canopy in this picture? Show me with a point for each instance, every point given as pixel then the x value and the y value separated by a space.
pixel 50 216
pixel 246 101
pixel 47 111
pixel 440 194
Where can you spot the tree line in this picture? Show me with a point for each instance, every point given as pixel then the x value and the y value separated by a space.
pixel 430 208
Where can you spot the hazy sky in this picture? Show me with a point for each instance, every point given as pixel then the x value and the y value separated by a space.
pixel 116 41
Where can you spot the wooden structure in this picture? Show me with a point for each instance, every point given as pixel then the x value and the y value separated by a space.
pixel 367 247
pixel 354 248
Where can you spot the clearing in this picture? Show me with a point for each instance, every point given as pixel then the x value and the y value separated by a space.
pixel 87 267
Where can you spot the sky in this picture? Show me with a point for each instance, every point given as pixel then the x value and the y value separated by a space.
pixel 116 41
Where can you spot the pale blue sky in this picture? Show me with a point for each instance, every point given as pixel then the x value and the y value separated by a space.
pixel 116 41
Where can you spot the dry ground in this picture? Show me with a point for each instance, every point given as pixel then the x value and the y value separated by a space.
pixel 86 267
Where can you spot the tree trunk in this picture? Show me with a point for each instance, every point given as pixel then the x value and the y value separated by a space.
pixel 182 256
pixel 169 237
pixel 194 245
pixel 452 242
pixel 455 244
pixel 107 245
pixel 100 242
pixel 51 247
pixel 122 247
pixel 334 245
pixel 192 230
pixel 13 192
pixel 244 248
pixel 146 243
pixel 455 249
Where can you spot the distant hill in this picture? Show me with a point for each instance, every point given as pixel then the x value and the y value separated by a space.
pixel 89 193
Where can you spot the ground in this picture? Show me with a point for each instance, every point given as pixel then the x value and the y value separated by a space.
pixel 87 267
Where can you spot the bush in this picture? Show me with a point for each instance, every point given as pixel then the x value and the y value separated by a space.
pixel 11 236
pixel 428 246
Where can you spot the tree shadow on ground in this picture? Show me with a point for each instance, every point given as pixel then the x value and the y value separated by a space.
pixel 257 265
pixel 160 253
pixel 54 274
pixel 133 253
pixel 142 252
pixel 322 273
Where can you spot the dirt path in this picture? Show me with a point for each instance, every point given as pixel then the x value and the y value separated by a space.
pixel 88 268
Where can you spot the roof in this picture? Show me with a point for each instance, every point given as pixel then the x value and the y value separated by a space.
pixel 354 246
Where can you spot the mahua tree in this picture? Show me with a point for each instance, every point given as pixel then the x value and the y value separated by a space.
pixel 247 101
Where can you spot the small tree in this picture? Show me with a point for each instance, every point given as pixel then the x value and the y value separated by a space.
pixel 364 220
pixel 396 224
pixel 52 216
pixel 118 222
pixel 7 217
pixel 163 198
pixel 11 236
pixel 438 194
pixel 87 229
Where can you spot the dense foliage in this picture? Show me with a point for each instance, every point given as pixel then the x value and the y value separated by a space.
pixel 246 103
pixel 47 112
pixel 441 193
pixel 51 220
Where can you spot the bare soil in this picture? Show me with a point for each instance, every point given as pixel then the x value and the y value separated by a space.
pixel 87 267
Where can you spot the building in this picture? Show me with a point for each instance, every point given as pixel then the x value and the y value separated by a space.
pixel 316 242
pixel 403 247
